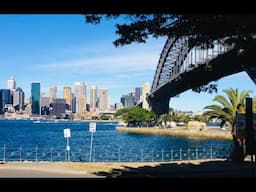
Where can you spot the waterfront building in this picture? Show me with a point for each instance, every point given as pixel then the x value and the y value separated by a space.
pixel 118 106
pixel 68 96
pixel 93 98
pixel 103 100
pixel 18 99
pixel 52 93
pixel 80 94
pixel 45 105
pixel 5 98
pixel 73 105
pixel 138 94
pixel 11 84
pixel 145 92
pixel 59 107
pixel 35 98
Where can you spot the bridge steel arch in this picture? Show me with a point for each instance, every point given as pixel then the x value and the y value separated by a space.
pixel 181 68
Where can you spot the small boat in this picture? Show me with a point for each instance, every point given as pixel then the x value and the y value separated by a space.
pixel 37 121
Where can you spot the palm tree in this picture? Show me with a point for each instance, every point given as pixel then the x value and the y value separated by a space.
pixel 226 111
pixel 234 103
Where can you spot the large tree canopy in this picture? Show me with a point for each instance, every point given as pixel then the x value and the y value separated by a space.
pixel 202 28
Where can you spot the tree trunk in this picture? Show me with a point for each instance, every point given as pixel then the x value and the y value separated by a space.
pixel 237 155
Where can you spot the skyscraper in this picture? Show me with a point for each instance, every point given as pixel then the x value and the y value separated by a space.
pixel 35 98
pixel 52 93
pixel 93 98
pixel 80 95
pixel 11 84
pixel 145 91
pixel 138 93
pixel 5 98
pixel 68 96
pixel 103 100
pixel 18 99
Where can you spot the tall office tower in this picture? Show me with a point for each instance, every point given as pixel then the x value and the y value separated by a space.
pixel 93 98
pixel 103 99
pixel 145 91
pixel 11 84
pixel 18 99
pixel 73 105
pixel 80 94
pixel 59 107
pixel 138 93
pixel 35 98
pixel 68 97
pixel 5 98
pixel 52 93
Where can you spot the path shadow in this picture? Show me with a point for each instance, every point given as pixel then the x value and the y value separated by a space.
pixel 211 169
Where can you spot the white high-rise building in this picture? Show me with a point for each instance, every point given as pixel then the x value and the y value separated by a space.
pixel 11 84
pixel 80 95
pixel 145 91
pixel 103 100
pixel 52 93
pixel 93 98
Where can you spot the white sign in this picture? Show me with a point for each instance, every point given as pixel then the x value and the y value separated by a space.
pixel 67 133
pixel 92 127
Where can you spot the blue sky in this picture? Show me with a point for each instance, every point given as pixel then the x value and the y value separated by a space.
pixel 62 49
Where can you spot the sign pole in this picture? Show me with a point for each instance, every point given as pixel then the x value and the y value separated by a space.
pixel 90 158
pixel 67 134
pixel 92 129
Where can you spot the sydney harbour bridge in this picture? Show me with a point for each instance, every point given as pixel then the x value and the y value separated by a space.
pixel 182 67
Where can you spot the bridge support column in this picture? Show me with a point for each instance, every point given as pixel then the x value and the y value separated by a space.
pixel 159 106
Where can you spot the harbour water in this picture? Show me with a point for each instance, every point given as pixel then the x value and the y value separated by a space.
pixel 44 140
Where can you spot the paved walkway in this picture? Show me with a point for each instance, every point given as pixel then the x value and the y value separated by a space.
pixel 181 169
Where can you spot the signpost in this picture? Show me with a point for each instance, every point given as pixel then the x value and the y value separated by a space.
pixel 67 134
pixel 92 129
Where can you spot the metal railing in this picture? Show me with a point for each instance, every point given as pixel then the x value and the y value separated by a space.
pixel 109 154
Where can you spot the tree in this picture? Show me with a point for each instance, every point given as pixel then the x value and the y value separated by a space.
pixel 165 118
pixel 226 112
pixel 202 30
pixel 120 112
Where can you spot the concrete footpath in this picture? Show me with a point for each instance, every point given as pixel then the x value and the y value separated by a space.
pixel 218 168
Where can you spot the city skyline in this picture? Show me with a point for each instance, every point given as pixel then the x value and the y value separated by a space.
pixel 59 50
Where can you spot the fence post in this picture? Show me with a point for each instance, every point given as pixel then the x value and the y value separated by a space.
pixel 196 152
pixel 204 152
pixel 20 153
pixel 152 155
pixel 106 155
pixel 93 154
pixel 211 152
pixel 51 153
pixel 130 155
pixel 4 148
pixel 142 155
pixel 162 155
pixel 180 153
pixel 188 154
pixel 171 154
pixel 36 148
pixel 119 155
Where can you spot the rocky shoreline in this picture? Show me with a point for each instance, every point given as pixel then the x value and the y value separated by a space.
pixel 208 133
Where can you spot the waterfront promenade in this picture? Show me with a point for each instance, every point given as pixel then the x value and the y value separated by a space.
pixel 211 132
pixel 218 168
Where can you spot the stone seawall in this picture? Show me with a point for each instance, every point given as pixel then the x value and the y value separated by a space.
pixel 209 133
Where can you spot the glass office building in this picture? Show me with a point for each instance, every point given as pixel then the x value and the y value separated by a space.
pixel 35 98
